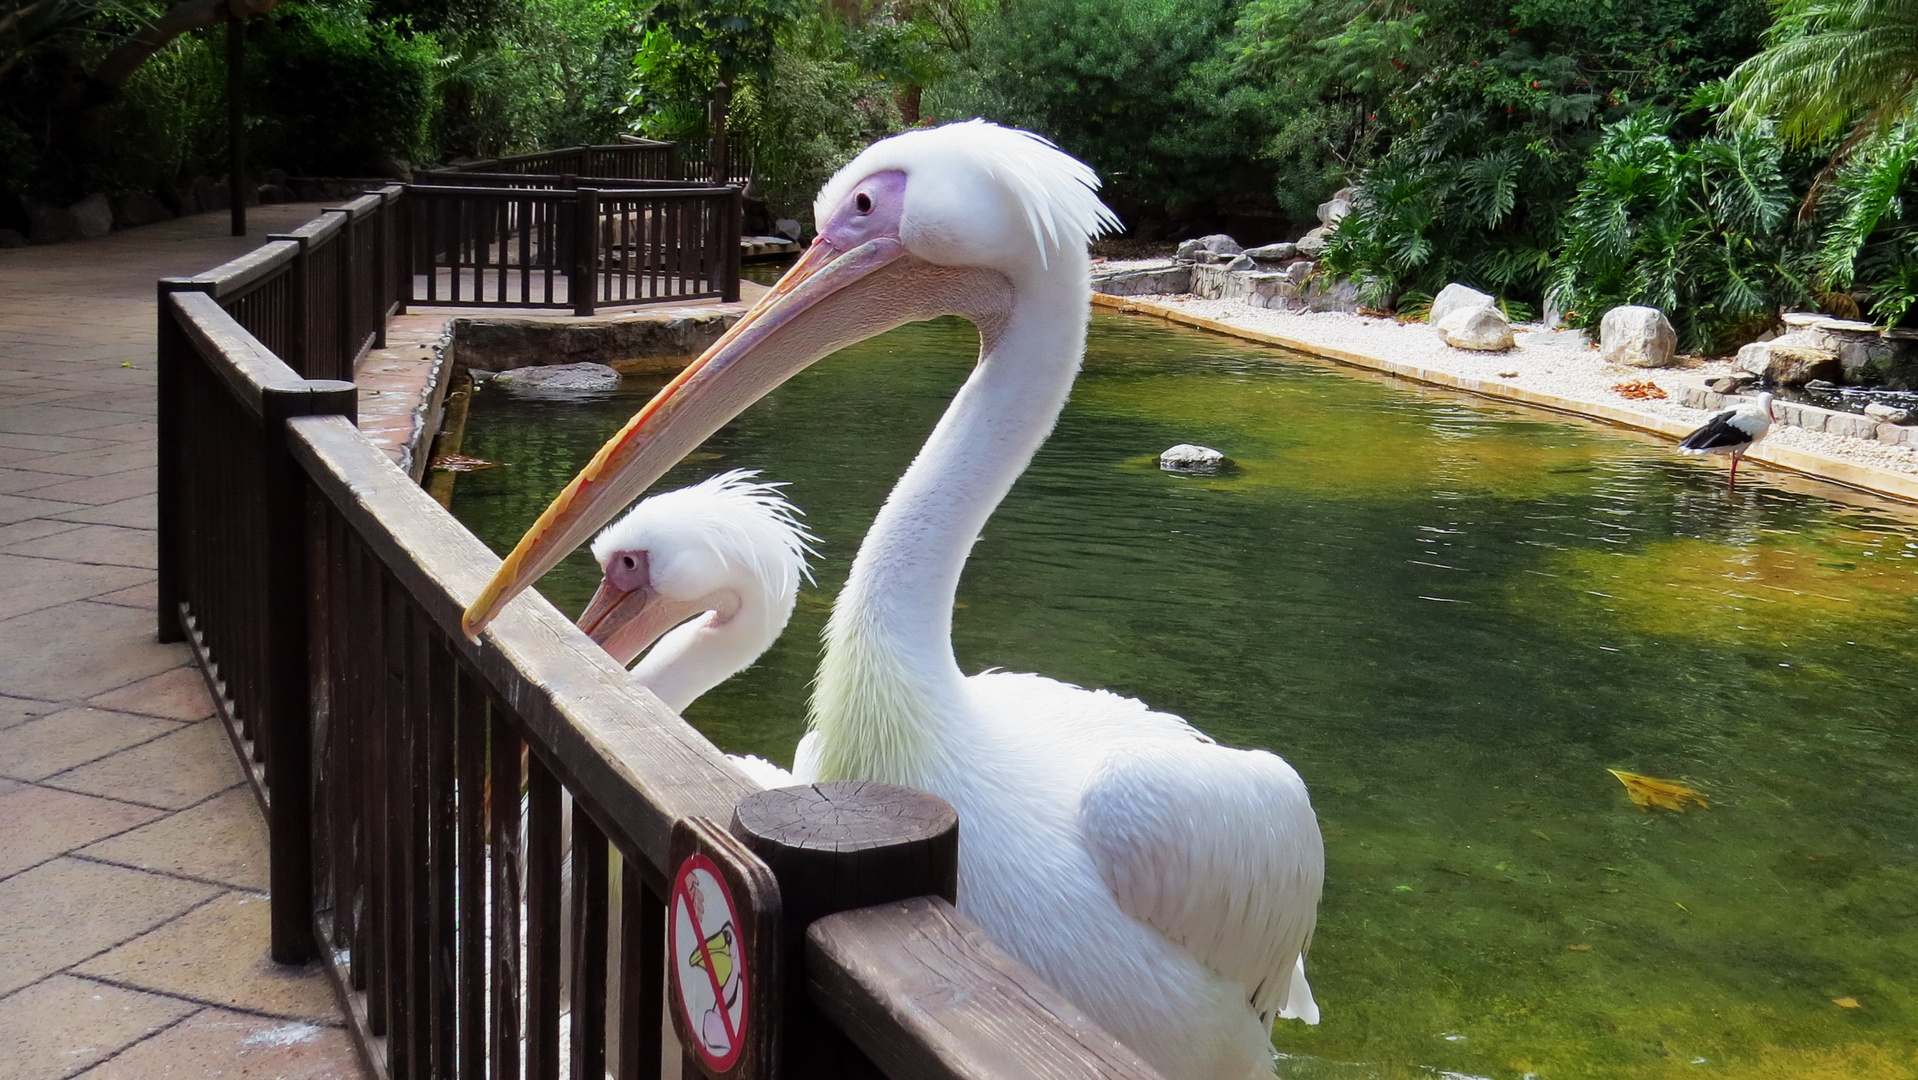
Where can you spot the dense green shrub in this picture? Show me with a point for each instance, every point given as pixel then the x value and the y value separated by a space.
pixel 1698 228
pixel 331 93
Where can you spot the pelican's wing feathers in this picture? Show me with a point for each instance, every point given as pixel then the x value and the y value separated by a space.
pixel 1219 850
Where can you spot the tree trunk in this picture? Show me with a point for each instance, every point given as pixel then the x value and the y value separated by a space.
pixel 187 15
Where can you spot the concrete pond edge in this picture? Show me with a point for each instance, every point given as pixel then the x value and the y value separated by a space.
pixel 1810 463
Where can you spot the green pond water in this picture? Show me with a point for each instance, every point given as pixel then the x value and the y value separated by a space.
pixel 1452 617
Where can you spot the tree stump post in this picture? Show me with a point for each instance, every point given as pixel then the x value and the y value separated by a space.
pixel 836 847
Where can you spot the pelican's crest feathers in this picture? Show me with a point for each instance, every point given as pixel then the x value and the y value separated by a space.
pixel 732 515
pixel 1058 191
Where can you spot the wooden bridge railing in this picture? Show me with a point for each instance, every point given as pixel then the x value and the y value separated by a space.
pixel 523 247
pixel 634 161
pixel 426 793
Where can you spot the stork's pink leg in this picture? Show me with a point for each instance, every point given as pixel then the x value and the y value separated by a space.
pixel 1731 485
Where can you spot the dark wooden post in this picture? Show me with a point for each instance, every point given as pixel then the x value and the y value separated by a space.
pixel 722 102
pixel 235 124
pixel 835 847
pixel 299 302
pixel 584 284
pixel 288 690
pixel 729 235
pixel 174 354
pixel 349 290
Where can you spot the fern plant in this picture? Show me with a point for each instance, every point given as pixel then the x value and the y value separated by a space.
pixel 1870 227
pixel 1699 229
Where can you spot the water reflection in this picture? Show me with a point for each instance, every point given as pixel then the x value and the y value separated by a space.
pixel 1452 617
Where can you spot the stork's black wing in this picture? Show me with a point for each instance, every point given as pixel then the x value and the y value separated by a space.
pixel 1718 432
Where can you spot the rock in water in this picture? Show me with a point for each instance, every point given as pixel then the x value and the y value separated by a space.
pixel 1455 297
pixel 1639 336
pixel 788 228
pixel 558 378
pixel 1890 414
pixel 1187 457
pixel 1481 328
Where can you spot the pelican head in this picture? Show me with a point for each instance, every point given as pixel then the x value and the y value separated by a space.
pixel 726 545
pixel 955 220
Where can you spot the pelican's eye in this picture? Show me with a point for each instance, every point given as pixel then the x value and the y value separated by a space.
pixel 628 561
pixel 862 202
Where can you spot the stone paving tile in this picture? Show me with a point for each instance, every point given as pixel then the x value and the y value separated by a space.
pixel 58 742
pixel 116 458
pixel 219 1043
pixel 116 643
pixel 218 954
pixel 173 771
pixel 136 431
pixel 180 694
pixel 223 839
pixel 95 490
pixel 15 710
pixel 58 1027
pixel 49 420
pixel 33 529
pixel 47 444
pixel 61 912
pixel 15 480
pixel 139 512
pixel 109 545
pixel 20 508
pixel 31 584
pixel 145 597
pixel 42 823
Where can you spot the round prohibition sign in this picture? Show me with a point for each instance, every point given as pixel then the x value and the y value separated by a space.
pixel 708 962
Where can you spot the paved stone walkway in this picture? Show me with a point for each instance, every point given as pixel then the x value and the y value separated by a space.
pixel 133 915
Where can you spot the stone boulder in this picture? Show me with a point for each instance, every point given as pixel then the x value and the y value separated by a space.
pixel 1242 262
pixel 1455 297
pixel 568 378
pixel 12 238
pixel 275 193
pixel 207 195
pixel 1217 243
pixel 1483 329
pixel 1890 414
pixel 1300 270
pixel 1312 244
pixel 1141 281
pixel 1273 252
pixel 1791 362
pixel 94 216
pixel 1188 457
pixel 50 224
pixel 1334 210
pixel 788 228
pixel 1639 336
pixel 1321 294
pixel 137 208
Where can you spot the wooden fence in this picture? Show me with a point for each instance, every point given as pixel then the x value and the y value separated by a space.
pixel 489 245
pixel 632 161
pixel 416 783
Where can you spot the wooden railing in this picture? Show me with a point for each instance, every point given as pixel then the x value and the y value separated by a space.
pixel 417 783
pixel 633 161
pixel 523 247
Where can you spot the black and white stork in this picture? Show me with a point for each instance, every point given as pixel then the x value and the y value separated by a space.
pixel 1733 432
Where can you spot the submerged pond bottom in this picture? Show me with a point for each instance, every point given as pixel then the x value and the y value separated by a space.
pixel 1453 617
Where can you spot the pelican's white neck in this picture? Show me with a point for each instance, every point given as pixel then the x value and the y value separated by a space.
pixel 888 684
pixel 705 651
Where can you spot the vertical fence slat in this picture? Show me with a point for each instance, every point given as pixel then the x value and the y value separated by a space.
pixel 542 921
pixel 471 783
pixel 590 855
pixel 503 800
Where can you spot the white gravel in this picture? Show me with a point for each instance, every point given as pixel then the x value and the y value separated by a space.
pixel 1562 363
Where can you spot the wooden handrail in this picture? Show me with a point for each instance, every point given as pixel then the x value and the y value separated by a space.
pixel 923 991
pixel 638 765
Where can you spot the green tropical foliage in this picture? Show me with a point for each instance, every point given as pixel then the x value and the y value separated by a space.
pixel 1832 65
pixel 1695 228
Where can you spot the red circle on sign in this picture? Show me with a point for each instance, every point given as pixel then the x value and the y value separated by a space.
pixel 715 954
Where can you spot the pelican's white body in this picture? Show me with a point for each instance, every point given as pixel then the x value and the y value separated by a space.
pixel 1167 885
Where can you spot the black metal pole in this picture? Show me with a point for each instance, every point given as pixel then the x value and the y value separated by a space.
pixel 235 130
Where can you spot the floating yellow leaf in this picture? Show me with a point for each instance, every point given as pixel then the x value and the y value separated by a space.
pixel 1649 791
pixel 462 463
pixel 1845 1003
pixel 1579 948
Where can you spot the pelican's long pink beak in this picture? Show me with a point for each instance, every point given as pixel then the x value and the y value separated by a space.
pixel 773 342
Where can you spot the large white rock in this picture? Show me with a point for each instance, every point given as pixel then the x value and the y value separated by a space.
pixel 1455 297
pixel 1312 244
pixel 1189 457
pixel 1639 336
pixel 1482 328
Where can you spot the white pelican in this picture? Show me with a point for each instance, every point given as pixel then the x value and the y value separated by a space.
pixel 1733 432
pixel 706 576
pixel 1167 885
